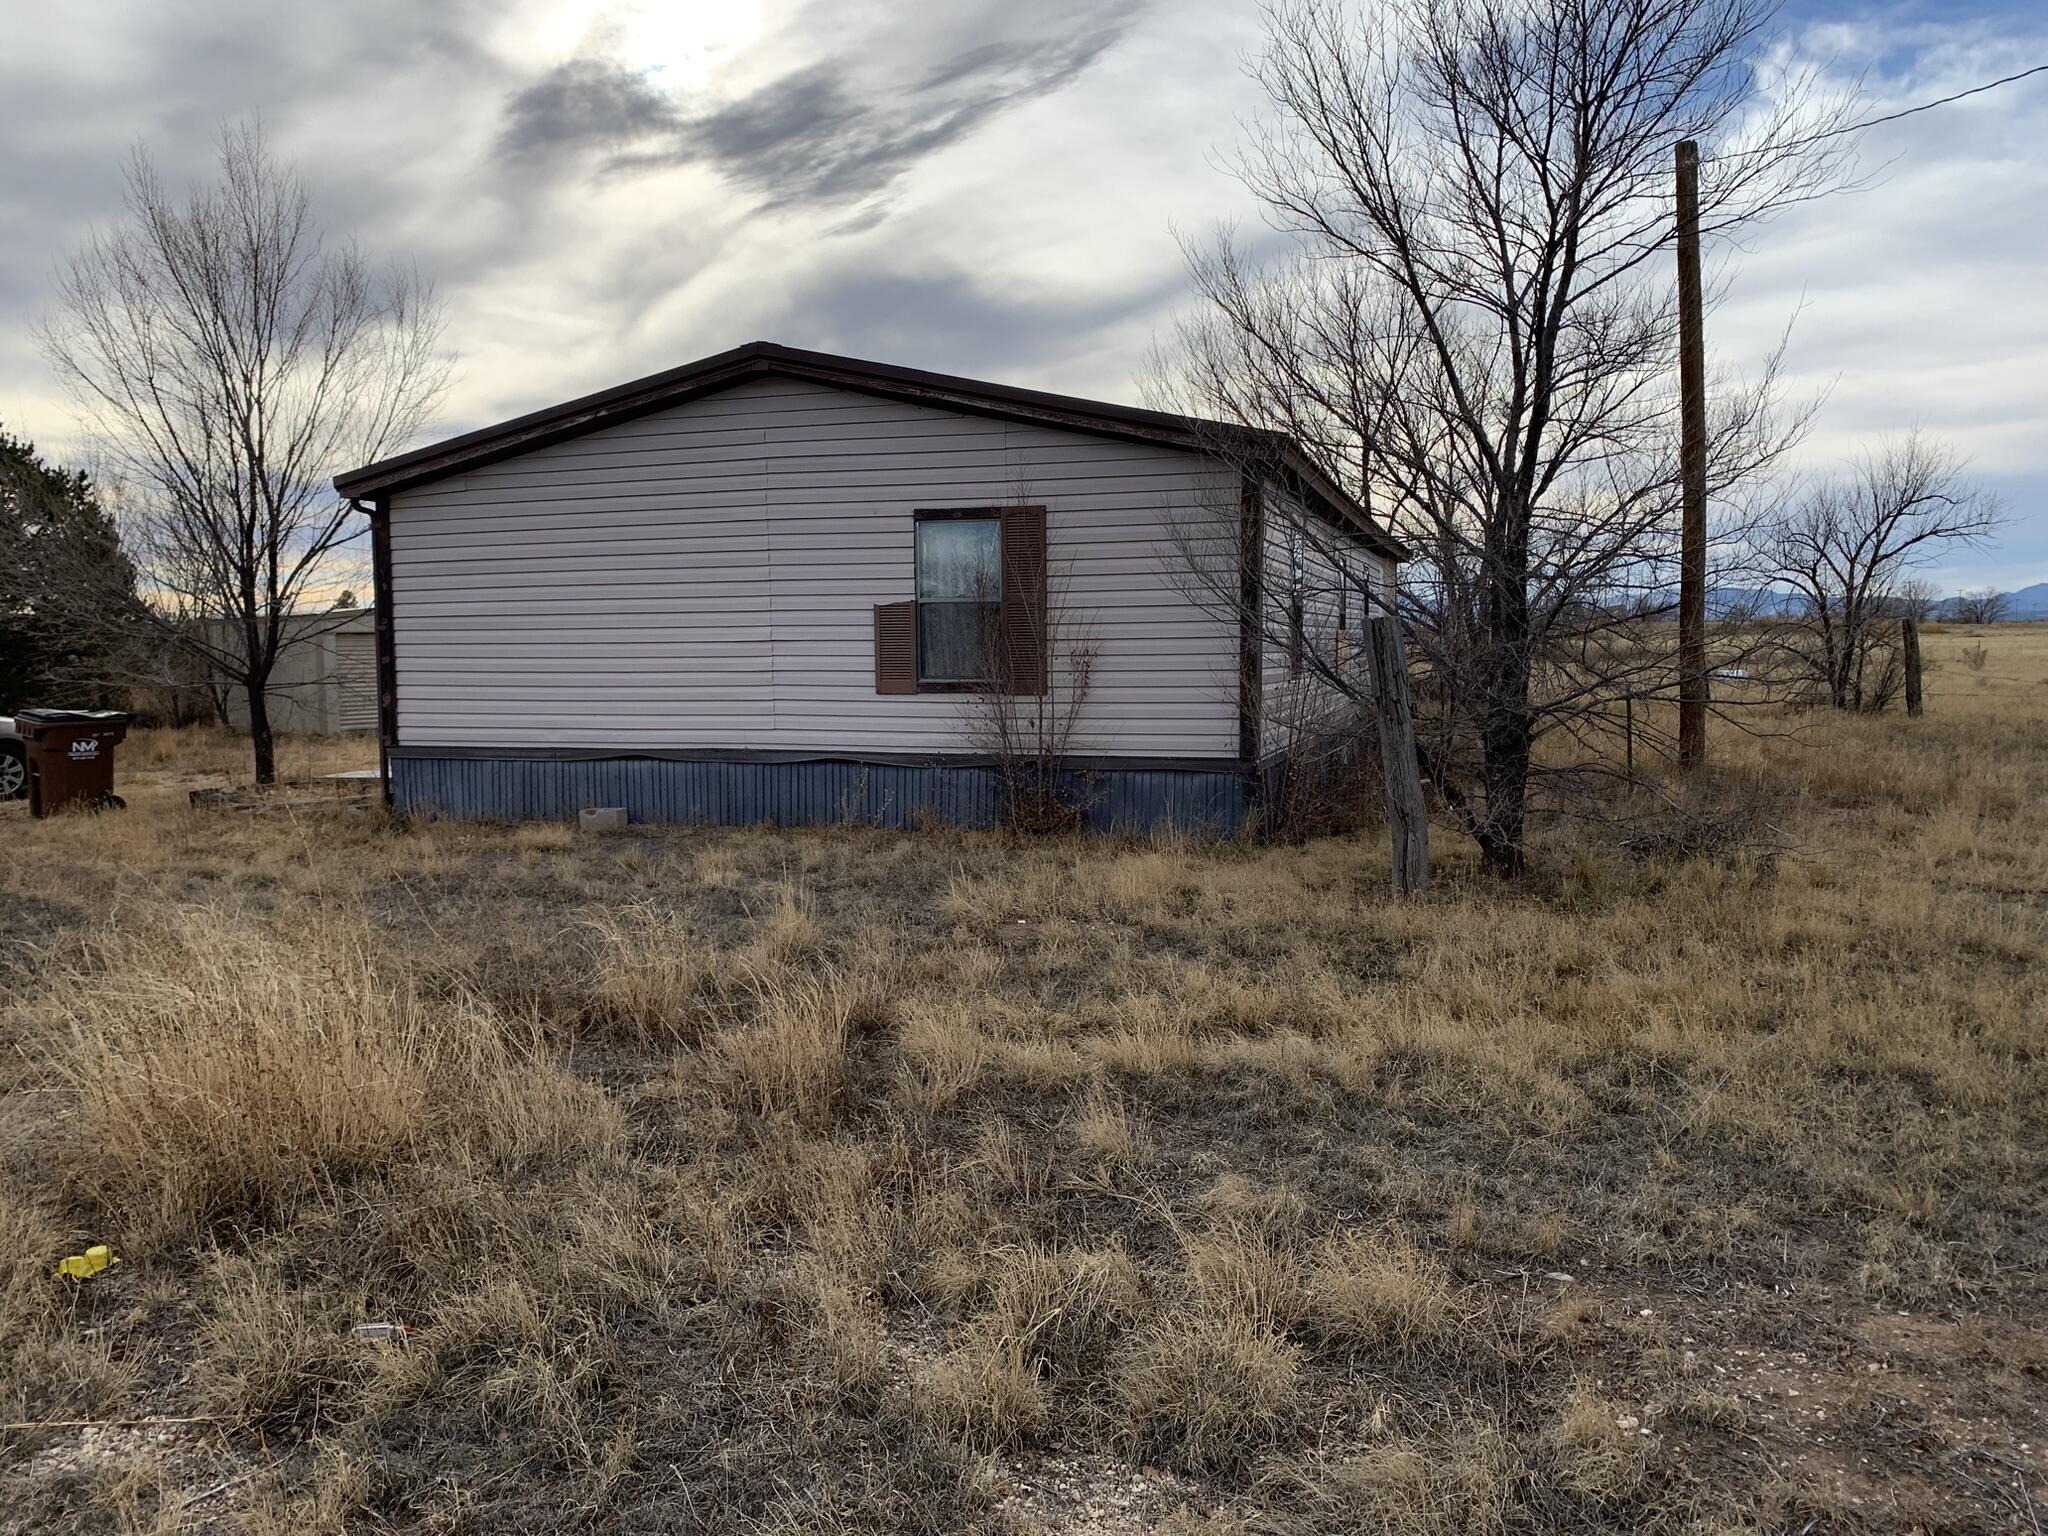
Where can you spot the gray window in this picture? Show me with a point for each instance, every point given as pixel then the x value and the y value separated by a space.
pixel 959 597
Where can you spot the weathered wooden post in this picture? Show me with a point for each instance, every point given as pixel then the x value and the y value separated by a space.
pixel 1909 635
pixel 1407 812
pixel 1692 458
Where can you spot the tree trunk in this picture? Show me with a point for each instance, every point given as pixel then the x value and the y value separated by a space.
pixel 1840 669
pixel 1506 723
pixel 1500 834
pixel 259 731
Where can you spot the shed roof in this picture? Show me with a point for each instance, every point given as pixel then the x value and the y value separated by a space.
pixel 765 359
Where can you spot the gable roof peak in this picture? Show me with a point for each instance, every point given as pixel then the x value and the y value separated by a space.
pixel 761 358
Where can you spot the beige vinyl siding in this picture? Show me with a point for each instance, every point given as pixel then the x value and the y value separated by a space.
pixel 1287 702
pixel 706 577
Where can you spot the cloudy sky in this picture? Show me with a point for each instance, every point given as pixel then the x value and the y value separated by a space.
pixel 603 188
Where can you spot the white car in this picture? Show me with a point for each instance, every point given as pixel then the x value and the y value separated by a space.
pixel 13 761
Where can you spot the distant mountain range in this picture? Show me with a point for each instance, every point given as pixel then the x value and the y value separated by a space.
pixel 2031 602
pixel 1772 602
pixel 1763 602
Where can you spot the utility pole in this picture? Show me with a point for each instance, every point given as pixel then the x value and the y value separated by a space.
pixel 1692 408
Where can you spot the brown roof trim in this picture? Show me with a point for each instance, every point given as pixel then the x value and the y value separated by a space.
pixel 762 359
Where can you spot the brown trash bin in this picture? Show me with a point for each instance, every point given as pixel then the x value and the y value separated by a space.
pixel 70 757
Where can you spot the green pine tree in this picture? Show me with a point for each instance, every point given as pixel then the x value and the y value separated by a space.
pixel 65 586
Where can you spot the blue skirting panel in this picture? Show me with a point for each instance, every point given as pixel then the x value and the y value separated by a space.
pixel 833 792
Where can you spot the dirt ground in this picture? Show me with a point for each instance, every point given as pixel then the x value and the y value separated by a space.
pixel 834 1180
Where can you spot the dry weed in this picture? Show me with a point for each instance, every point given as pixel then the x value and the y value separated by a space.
pixel 1466 1479
pixel 278 1357
pixel 219 1066
pixel 1203 1390
pixel 1598 1445
pixel 790 1057
pixel 985 1390
pixel 1104 1130
pixel 649 973
pixel 1246 1274
pixel 1369 1290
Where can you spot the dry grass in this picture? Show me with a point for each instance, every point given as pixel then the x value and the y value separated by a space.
pixel 219 1068
pixel 1206 1389
pixel 1380 1289
pixel 196 755
pixel 824 1181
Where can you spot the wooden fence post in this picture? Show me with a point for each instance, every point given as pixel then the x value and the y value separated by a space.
pixel 1407 812
pixel 1692 461
pixel 1910 636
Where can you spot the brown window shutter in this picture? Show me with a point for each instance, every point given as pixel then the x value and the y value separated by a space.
pixel 896 647
pixel 1022 632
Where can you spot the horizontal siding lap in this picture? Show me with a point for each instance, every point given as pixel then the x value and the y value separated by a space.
pixel 683 510
pixel 1140 493
pixel 732 470
pixel 652 605
pixel 966 445
pixel 632 585
pixel 577 646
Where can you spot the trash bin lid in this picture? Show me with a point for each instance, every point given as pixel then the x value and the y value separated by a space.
pixel 72 716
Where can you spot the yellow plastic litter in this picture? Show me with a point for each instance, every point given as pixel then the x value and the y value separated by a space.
pixel 83 1266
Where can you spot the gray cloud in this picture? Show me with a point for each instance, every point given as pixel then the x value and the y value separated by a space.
pixel 831 132
pixel 583 104
pixel 813 137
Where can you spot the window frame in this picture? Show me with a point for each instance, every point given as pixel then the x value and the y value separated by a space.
pixel 919 518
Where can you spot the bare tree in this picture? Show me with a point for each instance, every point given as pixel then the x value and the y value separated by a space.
pixel 1473 327
pixel 1915 598
pixel 1986 605
pixel 1849 543
pixel 229 359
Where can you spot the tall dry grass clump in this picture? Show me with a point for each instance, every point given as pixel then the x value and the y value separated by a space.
pixel 650 973
pixel 1457 1478
pixel 1204 1390
pixel 790 1056
pixel 1050 1321
pixel 223 1065
pixel 218 1065
pixel 1378 1289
